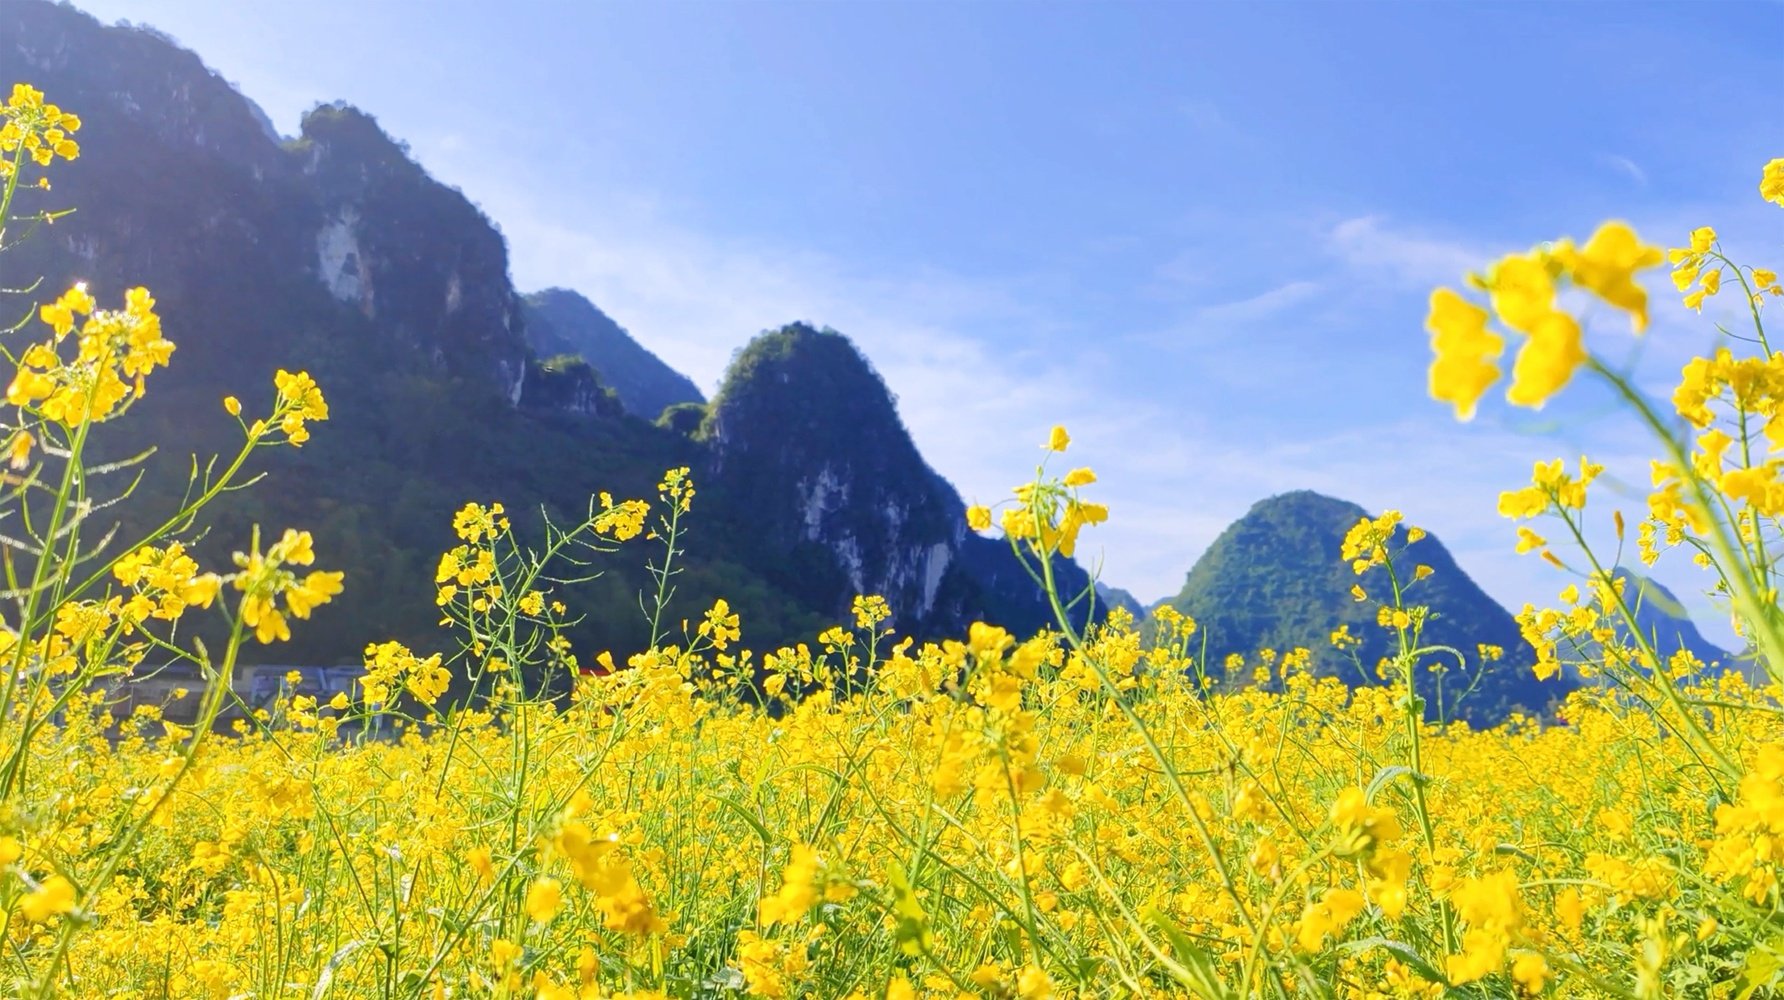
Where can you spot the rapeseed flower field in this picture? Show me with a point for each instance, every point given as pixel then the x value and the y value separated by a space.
pixel 1092 811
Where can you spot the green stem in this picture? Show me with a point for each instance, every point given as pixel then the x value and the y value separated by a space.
pixel 1761 614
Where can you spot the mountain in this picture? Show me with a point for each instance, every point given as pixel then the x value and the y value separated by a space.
pixel 1115 597
pixel 1664 621
pixel 805 433
pixel 335 252
pixel 410 253
pixel 1274 579
pixel 560 321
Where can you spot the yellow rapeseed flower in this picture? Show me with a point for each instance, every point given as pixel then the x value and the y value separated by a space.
pixel 1607 264
pixel 545 896
pixel 299 401
pixel 1547 361
pixel 721 624
pixel 798 891
pixel 1462 369
pixel 53 898
pixel 1323 919
pixel 1771 181
pixel 978 517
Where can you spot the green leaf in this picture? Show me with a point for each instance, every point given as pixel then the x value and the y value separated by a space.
pixel 1382 777
pixel 1201 977
pixel 1760 969
pixel 748 817
pixel 326 979
pixel 912 931
pixel 1404 953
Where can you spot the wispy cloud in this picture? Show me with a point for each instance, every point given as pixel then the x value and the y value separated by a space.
pixel 1187 270
pixel 1203 115
pixel 1626 166
pixel 1369 245
pixel 1263 305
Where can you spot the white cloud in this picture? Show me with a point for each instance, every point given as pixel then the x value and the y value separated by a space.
pixel 1203 115
pixel 1367 245
pixel 1187 270
pixel 1264 305
pixel 1626 166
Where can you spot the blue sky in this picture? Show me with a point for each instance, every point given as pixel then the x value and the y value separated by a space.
pixel 1199 235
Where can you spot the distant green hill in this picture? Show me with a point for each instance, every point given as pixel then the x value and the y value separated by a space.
pixel 1274 579
pixel 560 321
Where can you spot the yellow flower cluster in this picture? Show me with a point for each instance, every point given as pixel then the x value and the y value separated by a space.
pixel 625 520
pixel 1551 487
pixel 1749 843
pixel 1366 543
pixel 721 625
pixel 870 611
pixel 601 866
pixel 114 345
pixel 391 668
pixel 1771 181
pixel 165 582
pixel 265 578
pixel 677 489
pixel 1522 290
pixel 1048 514
pixel 29 127
pixel 299 401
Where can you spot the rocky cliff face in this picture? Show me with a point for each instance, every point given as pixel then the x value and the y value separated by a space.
pixel 410 253
pixel 142 76
pixel 806 430
pixel 177 173
pixel 333 252
pixel 182 184
pixel 568 385
pixel 804 427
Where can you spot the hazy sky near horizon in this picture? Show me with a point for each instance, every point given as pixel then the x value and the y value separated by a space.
pixel 1201 236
